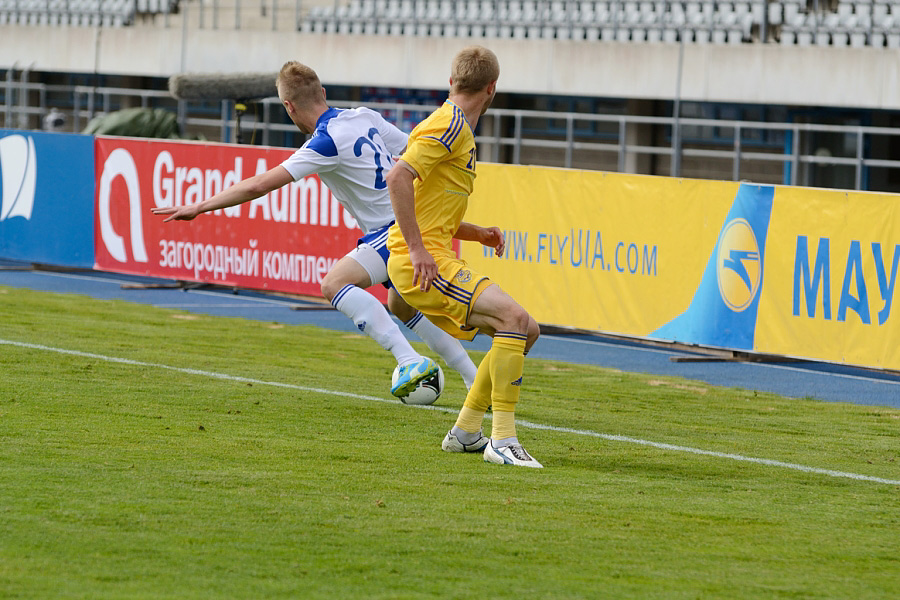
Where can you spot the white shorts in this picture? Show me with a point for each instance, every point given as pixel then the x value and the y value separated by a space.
pixel 372 254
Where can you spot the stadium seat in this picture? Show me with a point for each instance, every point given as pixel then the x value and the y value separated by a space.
pixel 858 38
pixel 791 11
pixel 776 13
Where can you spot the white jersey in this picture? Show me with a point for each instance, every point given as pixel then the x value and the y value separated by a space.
pixel 352 151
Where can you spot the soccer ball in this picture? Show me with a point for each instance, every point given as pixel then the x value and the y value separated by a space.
pixel 428 390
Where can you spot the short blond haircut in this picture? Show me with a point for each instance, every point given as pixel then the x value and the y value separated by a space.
pixel 299 84
pixel 474 68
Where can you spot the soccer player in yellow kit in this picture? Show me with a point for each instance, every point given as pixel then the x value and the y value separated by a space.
pixel 430 187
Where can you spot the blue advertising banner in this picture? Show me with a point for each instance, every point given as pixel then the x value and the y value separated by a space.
pixel 47 198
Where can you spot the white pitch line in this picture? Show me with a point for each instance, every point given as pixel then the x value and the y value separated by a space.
pixel 187 306
pixel 618 347
pixel 526 424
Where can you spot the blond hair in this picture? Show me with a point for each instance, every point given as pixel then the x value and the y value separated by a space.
pixel 299 84
pixel 474 68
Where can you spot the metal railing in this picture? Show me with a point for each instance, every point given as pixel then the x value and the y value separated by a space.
pixel 623 143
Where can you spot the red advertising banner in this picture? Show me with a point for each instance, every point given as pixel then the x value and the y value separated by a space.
pixel 285 241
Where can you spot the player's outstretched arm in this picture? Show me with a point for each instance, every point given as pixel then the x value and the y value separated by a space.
pixel 243 191
pixel 491 237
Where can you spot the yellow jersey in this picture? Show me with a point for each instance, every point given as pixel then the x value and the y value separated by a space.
pixel 441 149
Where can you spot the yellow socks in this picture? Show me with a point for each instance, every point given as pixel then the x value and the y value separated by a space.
pixel 507 364
pixel 497 383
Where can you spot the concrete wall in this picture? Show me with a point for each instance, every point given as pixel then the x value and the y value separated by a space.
pixel 755 73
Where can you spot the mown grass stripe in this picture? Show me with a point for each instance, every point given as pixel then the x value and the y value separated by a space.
pixel 520 423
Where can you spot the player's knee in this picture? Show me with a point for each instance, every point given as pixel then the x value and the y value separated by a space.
pixel 517 319
pixel 331 285
pixel 533 333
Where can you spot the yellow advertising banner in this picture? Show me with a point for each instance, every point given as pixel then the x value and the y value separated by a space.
pixel 831 269
pixel 767 269
pixel 600 251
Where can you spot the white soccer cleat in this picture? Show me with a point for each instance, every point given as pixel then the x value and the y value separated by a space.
pixel 451 443
pixel 514 454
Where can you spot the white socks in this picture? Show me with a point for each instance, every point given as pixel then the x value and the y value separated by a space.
pixel 446 346
pixel 373 319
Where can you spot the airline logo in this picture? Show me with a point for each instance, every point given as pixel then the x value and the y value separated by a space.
pixel 18 166
pixel 739 269
pixel 723 310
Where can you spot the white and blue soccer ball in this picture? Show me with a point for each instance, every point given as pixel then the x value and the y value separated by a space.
pixel 428 390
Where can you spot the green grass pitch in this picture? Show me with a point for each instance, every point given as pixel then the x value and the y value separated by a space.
pixel 149 453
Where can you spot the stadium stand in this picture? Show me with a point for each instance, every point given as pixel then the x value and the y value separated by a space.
pixel 840 23
pixel 744 100
pixel 81 13
pixel 848 23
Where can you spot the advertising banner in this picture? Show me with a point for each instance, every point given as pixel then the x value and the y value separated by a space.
pixel 766 269
pixel 615 253
pixel 46 207
pixel 285 241
pixel 831 272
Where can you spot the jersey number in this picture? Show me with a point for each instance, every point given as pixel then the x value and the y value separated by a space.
pixel 471 163
pixel 370 141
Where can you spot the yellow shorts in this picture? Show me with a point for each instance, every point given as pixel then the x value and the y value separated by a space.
pixel 451 296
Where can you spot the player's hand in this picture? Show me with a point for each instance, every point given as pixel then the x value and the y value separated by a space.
pixel 176 213
pixel 494 239
pixel 424 268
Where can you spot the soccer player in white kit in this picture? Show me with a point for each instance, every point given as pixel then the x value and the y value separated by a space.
pixel 351 151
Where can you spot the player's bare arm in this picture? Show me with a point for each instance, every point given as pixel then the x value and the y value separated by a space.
pixel 491 237
pixel 400 185
pixel 248 189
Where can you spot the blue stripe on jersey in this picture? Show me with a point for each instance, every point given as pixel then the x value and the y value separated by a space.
pixel 455 127
pixel 321 140
pixel 438 139
pixel 453 130
pixel 446 138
